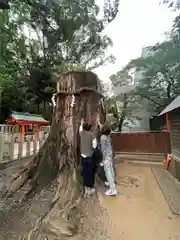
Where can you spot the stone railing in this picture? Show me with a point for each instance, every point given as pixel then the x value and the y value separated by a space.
pixel 14 146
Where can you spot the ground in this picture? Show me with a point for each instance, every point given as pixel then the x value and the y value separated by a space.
pixel 140 211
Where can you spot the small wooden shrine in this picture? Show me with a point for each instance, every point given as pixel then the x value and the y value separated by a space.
pixel 27 121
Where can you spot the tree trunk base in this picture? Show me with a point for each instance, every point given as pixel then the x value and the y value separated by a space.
pixel 62 218
pixel 58 158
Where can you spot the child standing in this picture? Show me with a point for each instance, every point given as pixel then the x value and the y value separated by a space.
pixel 106 148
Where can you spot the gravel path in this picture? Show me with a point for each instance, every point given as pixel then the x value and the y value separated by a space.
pixel 16 222
pixel 140 211
pixel 96 224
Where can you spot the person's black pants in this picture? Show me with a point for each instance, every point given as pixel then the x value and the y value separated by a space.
pixel 88 171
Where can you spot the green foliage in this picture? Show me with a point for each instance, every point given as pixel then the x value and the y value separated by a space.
pixel 160 71
pixel 157 78
pixel 39 38
pixel 123 105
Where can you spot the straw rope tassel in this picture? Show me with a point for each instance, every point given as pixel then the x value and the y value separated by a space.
pixel 53 101
pixel 73 101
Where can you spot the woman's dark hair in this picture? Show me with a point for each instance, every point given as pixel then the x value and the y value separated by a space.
pixel 87 126
pixel 106 130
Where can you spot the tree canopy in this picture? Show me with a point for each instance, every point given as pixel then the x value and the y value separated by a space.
pixel 39 38
pixel 156 79
pixel 172 3
pixel 159 72
pixel 124 104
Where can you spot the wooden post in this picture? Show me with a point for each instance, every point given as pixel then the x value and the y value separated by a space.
pixel 167 123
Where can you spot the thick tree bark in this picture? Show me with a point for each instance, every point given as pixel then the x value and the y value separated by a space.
pixel 58 158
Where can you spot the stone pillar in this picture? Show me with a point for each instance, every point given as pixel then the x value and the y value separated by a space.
pixel 1 147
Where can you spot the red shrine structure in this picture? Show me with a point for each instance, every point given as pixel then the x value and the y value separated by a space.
pixel 27 122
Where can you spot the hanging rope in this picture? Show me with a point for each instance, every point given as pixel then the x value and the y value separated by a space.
pixel 73 101
pixel 79 91
pixel 53 99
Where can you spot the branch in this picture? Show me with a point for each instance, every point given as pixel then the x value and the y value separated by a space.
pixel 34 5
pixel 150 99
pixel 110 10
pixel 101 62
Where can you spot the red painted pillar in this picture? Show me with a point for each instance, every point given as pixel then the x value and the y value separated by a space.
pixel 23 130
pixel 168 158
pixel 167 123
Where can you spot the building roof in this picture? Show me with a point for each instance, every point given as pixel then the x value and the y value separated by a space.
pixel 166 102
pixel 27 117
pixel 172 106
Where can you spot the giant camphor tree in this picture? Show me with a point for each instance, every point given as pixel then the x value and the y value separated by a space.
pixel 78 95
pixel 67 33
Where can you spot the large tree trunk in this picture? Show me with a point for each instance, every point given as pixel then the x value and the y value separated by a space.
pixel 58 158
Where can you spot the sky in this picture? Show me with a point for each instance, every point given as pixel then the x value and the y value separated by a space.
pixel 139 23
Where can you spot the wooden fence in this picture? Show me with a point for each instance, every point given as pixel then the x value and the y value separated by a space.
pixel 142 142
pixel 13 147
